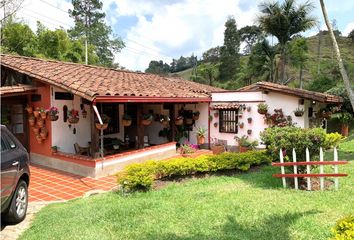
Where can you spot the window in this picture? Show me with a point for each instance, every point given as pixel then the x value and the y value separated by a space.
pixel 112 111
pixel 63 96
pixel 228 121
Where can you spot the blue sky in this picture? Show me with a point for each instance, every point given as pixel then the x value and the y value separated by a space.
pixel 166 29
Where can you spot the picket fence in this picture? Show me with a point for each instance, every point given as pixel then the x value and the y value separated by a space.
pixel 308 173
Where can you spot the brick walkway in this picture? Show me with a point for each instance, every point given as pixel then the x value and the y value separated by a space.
pixel 53 185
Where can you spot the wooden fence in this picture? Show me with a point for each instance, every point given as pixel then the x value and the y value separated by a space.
pixel 308 173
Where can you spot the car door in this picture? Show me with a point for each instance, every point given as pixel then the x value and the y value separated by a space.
pixel 9 167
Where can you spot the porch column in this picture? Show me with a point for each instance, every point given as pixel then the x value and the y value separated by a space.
pixel 94 133
pixel 140 127
pixel 172 122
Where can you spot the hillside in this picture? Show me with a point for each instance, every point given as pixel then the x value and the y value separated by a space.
pixel 327 58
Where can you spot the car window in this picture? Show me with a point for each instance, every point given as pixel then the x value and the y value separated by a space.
pixel 7 141
pixel 4 146
pixel 10 142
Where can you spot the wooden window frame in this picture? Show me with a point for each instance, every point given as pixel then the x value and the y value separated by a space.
pixel 229 117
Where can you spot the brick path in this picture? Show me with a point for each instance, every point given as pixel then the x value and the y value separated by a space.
pixel 53 185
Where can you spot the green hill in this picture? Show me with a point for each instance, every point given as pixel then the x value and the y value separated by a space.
pixel 327 59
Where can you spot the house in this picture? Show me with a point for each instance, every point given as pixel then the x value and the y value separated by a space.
pixel 87 95
pixel 235 113
pixel 92 92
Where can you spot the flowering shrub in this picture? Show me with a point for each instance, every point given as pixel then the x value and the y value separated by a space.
pixel 52 111
pixel 188 148
pixel 278 119
pixel 344 229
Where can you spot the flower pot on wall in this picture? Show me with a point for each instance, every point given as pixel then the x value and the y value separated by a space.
pixel 195 117
pixel 216 124
pixel 262 111
pixel 53 118
pixel 216 114
pixel 43 115
pixel 40 122
pixel 179 121
pixel 249 120
pixel 29 109
pixel 84 113
pixel 189 121
pixel 126 123
pixel 146 122
pixel 165 123
pixel 36 113
pixel 73 120
pixel 200 140
pixel 35 130
pixel 249 131
pixel 32 121
pixel 101 126
pixel 248 108
pixel 241 125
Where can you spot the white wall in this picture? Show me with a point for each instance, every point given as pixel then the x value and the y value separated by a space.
pixel 62 135
pixel 152 131
pixel 274 100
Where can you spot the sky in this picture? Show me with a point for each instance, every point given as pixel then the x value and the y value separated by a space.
pixel 167 29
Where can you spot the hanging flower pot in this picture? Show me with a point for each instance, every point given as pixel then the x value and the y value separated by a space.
pixel 73 120
pixel 39 138
pixel 147 119
pixel 216 124
pixel 53 114
pixel 262 108
pixel 43 113
pixel 43 135
pixel 249 131
pixel 248 108
pixel 36 112
pixel 84 113
pixel 196 115
pixel 299 112
pixel 31 120
pixel 164 120
pixel 249 120
pixel 35 130
pixel 53 118
pixel 189 121
pixel 179 121
pixel 73 116
pixel 40 122
pixel 241 125
pixel 127 120
pixel 101 126
pixel 216 114
pixel 29 109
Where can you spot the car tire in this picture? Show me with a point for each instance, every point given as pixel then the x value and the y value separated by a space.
pixel 18 208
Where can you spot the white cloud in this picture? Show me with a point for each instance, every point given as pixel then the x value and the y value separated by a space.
pixel 348 29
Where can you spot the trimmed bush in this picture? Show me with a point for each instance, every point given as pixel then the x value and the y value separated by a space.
pixel 140 176
pixel 344 229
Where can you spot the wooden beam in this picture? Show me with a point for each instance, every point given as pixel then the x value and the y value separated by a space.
pixel 140 126
pixel 172 122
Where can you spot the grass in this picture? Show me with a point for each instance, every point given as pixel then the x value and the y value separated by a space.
pixel 243 206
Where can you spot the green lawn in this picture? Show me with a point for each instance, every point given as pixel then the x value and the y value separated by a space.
pixel 245 206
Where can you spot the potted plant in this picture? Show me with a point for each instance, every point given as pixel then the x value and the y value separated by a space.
pixel 105 121
pixel 299 112
pixel 201 135
pixel 36 112
pixel 262 108
pixel 216 114
pixel 249 108
pixel 116 143
pixel 127 120
pixel 187 150
pixel 189 121
pixel 39 138
pixel 53 113
pixel 43 133
pixel 241 125
pixel 249 131
pixel 179 120
pixel 215 124
pixel 249 120
pixel 217 147
pixel 29 109
pixel 210 118
pixel 73 116
pixel 196 115
pixel 54 149
pixel 31 120
pixel 147 119
pixel 164 120
pixel 84 113
pixel 35 130
pixel 245 144
pixel 345 118
pixel 43 113
pixel 40 122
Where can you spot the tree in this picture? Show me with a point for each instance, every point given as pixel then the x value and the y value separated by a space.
pixel 250 35
pixel 158 67
pixel 212 55
pixel 351 35
pixel 9 7
pixel 210 72
pixel 89 23
pixel 343 72
pixel 299 55
pixel 284 21
pixel 229 56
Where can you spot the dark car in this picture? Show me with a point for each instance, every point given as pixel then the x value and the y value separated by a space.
pixel 15 175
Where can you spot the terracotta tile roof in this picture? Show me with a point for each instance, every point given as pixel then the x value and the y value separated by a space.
pixel 225 106
pixel 91 81
pixel 316 96
pixel 16 89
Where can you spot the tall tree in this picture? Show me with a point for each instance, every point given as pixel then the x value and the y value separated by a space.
pixel 158 67
pixel 229 56
pixel 338 57
pixel 210 72
pixel 89 23
pixel 212 55
pixel 250 35
pixel 284 21
pixel 299 55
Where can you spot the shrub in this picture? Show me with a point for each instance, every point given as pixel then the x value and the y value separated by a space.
pixel 140 176
pixel 344 229
pixel 332 140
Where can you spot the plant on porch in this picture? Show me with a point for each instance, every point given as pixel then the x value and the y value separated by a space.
pixel 201 135
pixel 53 113
pixel 105 120
pixel 188 149
pixel 196 115
pixel 245 144
pixel 31 120
pixel 147 119
pixel 299 112
pixel 179 120
pixel 262 108
pixel 73 116
pixel 126 120
pixel 164 120
pixel 43 113
pixel 29 109
pixel 36 112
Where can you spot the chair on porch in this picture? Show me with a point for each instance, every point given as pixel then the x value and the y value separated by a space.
pixel 81 150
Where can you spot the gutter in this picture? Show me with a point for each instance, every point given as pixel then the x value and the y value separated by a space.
pixel 140 99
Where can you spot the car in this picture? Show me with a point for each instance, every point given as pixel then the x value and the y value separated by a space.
pixel 15 178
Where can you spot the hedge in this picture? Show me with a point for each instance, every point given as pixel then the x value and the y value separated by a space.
pixel 140 176
pixel 344 229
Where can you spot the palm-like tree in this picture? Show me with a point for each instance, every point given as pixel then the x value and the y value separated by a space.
pixel 284 21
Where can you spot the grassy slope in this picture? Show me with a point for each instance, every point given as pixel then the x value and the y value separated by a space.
pixel 245 206
pixel 345 46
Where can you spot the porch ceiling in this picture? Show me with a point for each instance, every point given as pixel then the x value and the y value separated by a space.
pixel 8 91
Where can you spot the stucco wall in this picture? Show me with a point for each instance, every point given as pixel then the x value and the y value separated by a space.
pixel 63 136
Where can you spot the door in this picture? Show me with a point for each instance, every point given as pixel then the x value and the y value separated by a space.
pixel 9 167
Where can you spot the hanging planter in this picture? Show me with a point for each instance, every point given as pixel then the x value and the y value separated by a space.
pixel 39 139
pixel 84 113
pixel 36 112
pixel 262 108
pixel 241 125
pixel 216 124
pixel 299 112
pixel 249 120
pixel 249 131
pixel 73 116
pixel 248 108
pixel 127 120
pixel 53 114
pixel 216 114
pixel 43 113
pixel 210 118
pixel 196 115
pixel 35 130
pixel 105 121
pixel 31 120
pixel 44 133
pixel 147 119
pixel 29 109
pixel 179 121
pixel 101 126
pixel 164 120
pixel 189 121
